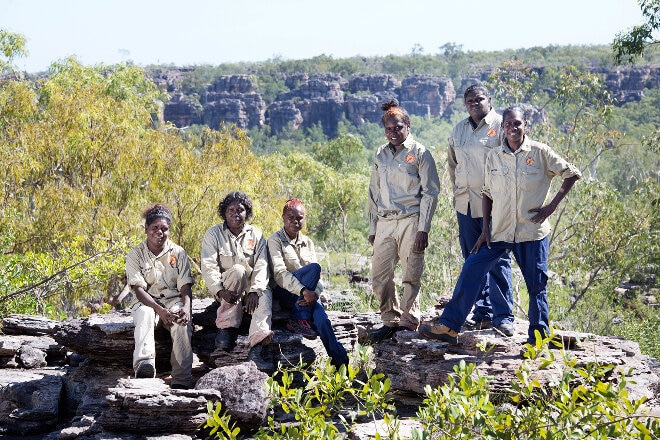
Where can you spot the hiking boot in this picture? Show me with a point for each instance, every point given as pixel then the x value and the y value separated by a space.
pixel 440 332
pixel 385 332
pixel 145 370
pixel 477 324
pixel 505 328
pixel 226 338
pixel 302 327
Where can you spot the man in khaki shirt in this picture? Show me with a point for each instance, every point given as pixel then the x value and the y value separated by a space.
pixel 517 181
pixel 403 194
pixel 471 140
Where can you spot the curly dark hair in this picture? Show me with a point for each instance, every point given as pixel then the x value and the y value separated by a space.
pixel 391 108
pixel 233 197
pixel 155 211
pixel 476 88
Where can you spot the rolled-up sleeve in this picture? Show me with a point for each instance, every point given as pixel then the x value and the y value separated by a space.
pixel 134 277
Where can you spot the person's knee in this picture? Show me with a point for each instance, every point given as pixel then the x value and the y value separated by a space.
pixel 239 270
pixel 314 269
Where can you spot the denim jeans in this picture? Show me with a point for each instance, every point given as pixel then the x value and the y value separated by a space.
pixel 532 257
pixel 495 301
pixel 309 276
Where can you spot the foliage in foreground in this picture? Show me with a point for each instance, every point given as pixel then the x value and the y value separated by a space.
pixel 585 402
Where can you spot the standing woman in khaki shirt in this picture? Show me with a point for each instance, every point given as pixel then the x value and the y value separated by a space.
pixel 470 142
pixel 403 195
pixel 517 182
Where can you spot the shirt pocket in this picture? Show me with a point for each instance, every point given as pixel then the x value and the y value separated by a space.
pixel 530 178
pixel 490 142
pixel 499 179
pixel 150 274
pixel 225 258
pixel 411 176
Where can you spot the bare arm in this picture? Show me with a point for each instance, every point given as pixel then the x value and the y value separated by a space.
pixel 546 211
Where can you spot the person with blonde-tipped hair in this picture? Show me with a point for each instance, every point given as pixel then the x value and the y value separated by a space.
pixel 403 195
pixel 296 281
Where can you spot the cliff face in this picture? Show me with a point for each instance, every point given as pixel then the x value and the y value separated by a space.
pixel 326 98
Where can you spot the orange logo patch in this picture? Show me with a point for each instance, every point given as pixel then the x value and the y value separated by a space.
pixel 250 243
pixel 172 260
pixel 410 158
pixel 530 161
pixel 492 132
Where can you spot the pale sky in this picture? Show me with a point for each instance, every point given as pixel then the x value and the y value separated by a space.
pixel 195 32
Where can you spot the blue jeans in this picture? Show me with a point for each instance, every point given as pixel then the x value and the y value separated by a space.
pixel 495 301
pixel 532 257
pixel 309 276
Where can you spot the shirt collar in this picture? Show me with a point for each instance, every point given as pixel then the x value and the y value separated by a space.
pixel 226 228
pixel 525 146
pixel 489 119
pixel 167 248
pixel 299 241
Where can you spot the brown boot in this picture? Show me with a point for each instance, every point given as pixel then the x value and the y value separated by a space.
pixel 438 331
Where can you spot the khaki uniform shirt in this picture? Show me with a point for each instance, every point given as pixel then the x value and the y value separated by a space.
pixel 466 157
pixel 221 250
pixel 520 181
pixel 403 184
pixel 287 256
pixel 161 276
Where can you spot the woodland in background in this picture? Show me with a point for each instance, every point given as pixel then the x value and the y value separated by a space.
pixel 83 154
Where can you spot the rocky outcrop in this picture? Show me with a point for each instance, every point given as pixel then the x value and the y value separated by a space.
pixel 99 399
pixel 426 95
pixel 233 99
pixel 182 110
pixel 326 98
pixel 318 98
pixel 627 84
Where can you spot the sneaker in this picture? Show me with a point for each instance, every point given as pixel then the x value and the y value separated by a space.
pixel 505 328
pixel 440 332
pixel 477 324
pixel 145 370
pixel 180 386
pixel 303 327
pixel 226 338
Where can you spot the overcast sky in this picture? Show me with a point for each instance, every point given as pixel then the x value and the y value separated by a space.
pixel 194 32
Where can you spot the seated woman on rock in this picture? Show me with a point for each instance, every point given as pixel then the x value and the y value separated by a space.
pixel 235 269
pixel 296 281
pixel 158 272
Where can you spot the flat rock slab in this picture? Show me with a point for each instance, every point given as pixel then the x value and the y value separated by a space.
pixel 29 400
pixel 149 406
pixel 412 362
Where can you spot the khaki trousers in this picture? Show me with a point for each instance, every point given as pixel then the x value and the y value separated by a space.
pixel 393 243
pixel 145 320
pixel 231 315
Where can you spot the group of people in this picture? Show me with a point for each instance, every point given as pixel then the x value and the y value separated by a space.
pixel 244 273
pixel 500 180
